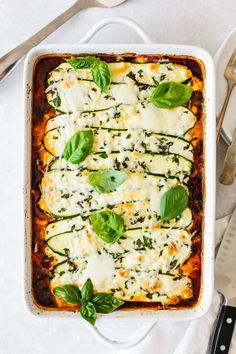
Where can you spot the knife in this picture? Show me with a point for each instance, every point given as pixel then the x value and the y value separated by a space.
pixel 225 283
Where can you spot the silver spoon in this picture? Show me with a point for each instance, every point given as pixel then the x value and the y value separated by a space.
pixel 11 59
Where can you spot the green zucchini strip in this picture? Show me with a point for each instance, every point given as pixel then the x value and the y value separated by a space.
pixel 141 216
pixel 175 122
pixel 162 245
pixel 68 193
pixel 108 140
pixel 172 287
pixel 168 165
pixel 146 73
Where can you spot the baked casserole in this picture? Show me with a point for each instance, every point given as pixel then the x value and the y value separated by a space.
pixel 118 178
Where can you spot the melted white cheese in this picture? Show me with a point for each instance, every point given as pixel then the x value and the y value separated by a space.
pixel 69 193
pixel 175 121
pixel 149 73
pixel 144 264
pixel 113 266
pixel 136 214
pixel 106 140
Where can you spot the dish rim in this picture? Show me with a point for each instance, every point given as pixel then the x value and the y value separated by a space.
pixel 208 244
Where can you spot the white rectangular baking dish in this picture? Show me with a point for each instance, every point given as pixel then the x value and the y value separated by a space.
pixel 208 241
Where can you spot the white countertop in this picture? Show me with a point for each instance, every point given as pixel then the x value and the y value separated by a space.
pixel 204 23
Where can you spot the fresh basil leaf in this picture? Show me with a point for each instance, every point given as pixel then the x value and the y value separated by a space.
pixel 88 312
pixel 171 94
pixel 101 75
pixel 99 68
pixel 106 181
pixel 87 290
pixel 82 62
pixel 107 225
pixel 69 293
pixel 106 303
pixel 173 203
pixel 79 146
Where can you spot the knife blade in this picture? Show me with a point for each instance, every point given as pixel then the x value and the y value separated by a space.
pixel 225 283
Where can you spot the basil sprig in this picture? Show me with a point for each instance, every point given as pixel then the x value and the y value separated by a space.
pixel 99 69
pixel 171 94
pixel 108 225
pixel 106 181
pixel 90 304
pixel 173 203
pixel 79 146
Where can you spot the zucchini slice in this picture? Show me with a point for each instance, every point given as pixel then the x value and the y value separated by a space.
pixel 69 224
pixel 164 250
pixel 164 288
pixel 136 214
pixel 61 267
pixel 69 243
pixel 145 286
pixel 168 165
pixel 175 121
pixel 73 95
pixel 106 140
pixel 146 73
pixel 68 268
pixel 67 193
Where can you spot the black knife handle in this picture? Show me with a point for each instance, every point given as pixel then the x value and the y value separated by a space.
pixel 224 330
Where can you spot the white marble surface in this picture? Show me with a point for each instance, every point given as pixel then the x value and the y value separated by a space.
pixel 203 23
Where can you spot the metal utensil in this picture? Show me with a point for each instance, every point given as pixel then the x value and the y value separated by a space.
pixel 230 75
pixel 225 283
pixel 11 59
pixel 229 167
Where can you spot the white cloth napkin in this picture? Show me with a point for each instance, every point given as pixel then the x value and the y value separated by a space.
pixel 185 337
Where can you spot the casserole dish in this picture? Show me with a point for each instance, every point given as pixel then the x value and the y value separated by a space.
pixel 148 314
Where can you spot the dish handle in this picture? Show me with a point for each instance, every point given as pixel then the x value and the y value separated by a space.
pixel 135 339
pixel 121 20
pixel 146 328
